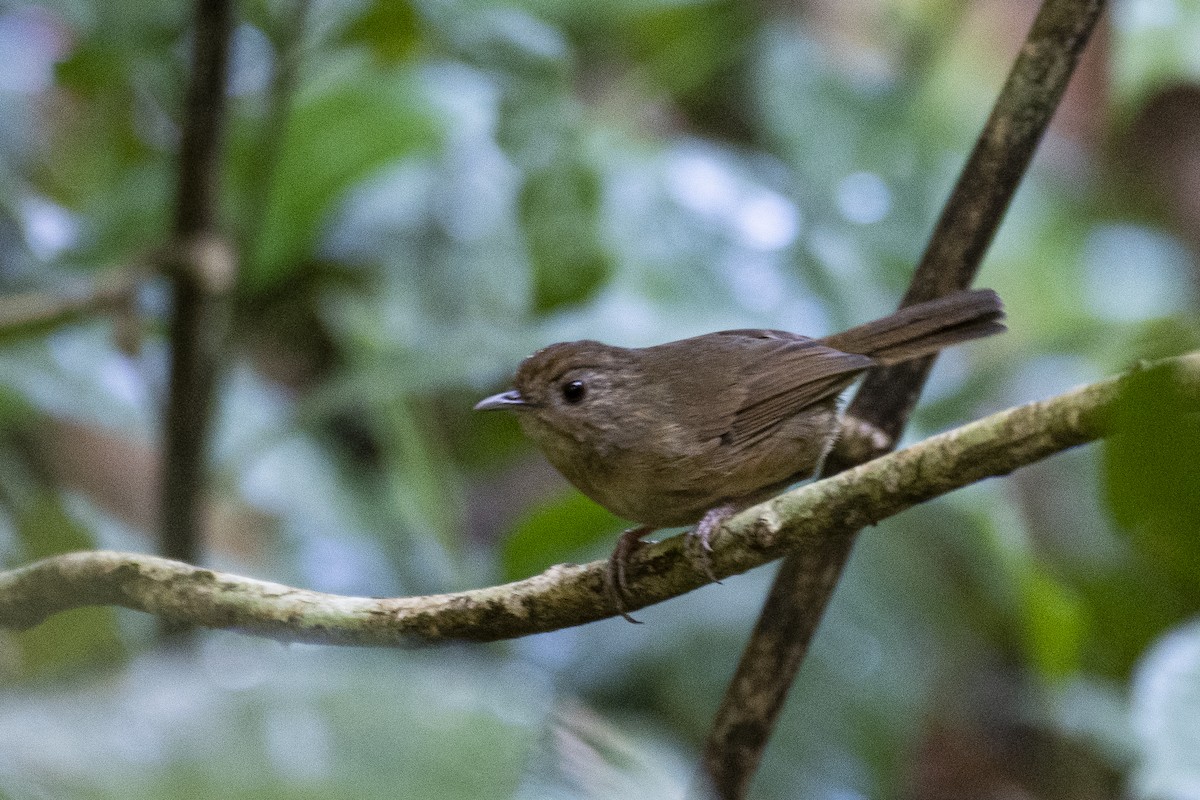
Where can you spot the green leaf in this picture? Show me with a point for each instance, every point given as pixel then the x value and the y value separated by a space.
pixel 1151 477
pixel 686 47
pixel 391 30
pixel 560 214
pixel 563 530
pixel 92 69
pixel 1054 623
pixel 15 410
pixel 332 141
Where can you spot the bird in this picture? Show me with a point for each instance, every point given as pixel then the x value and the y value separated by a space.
pixel 692 431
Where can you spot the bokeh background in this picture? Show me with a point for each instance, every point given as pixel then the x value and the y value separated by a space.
pixel 422 192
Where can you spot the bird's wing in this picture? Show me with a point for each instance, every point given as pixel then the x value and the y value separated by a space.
pixel 750 380
pixel 782 375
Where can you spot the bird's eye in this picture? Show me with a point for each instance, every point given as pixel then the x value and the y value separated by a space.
pixel 573 391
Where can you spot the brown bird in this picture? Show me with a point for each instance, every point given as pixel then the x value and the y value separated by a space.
pixel 698 429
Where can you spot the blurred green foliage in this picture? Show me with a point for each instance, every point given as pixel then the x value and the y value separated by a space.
pixel 422 194
pixel 1151 480
pixel 558 209
pixel 567 530
pixel 331 142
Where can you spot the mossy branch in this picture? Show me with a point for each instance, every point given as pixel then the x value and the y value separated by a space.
pixel 803 520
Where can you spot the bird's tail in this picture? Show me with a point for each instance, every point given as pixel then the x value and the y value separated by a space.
pixel 924 328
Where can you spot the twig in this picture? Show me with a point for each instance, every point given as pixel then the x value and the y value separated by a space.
pixel 801 522
pixel 34 313
pixel 797 599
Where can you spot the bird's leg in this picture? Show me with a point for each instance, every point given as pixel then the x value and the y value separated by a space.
pixel 614 581
pixel 700 539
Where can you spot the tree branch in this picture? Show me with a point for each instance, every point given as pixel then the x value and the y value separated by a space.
pixel 805 522
pixel 805 581
pixel 203 268
pixel 33 313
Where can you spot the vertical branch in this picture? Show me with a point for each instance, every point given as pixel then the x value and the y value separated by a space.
pixel 202 268
pixel 806 579
pixel 204 120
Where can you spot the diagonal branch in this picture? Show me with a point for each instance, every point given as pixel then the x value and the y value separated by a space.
pixel 801 522
pixel 805 582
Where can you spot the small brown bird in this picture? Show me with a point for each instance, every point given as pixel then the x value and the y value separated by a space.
pixel 698 429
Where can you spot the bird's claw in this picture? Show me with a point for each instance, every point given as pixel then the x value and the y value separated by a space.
pixel 700 539
pixel 614 581
pixel 699 544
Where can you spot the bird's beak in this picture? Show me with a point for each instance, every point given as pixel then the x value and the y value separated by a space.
pixel 510 399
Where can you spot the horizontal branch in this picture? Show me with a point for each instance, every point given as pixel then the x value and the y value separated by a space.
pixel 571 594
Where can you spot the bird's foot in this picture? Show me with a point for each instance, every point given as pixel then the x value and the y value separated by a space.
pixel 700 539
pixel 614 581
